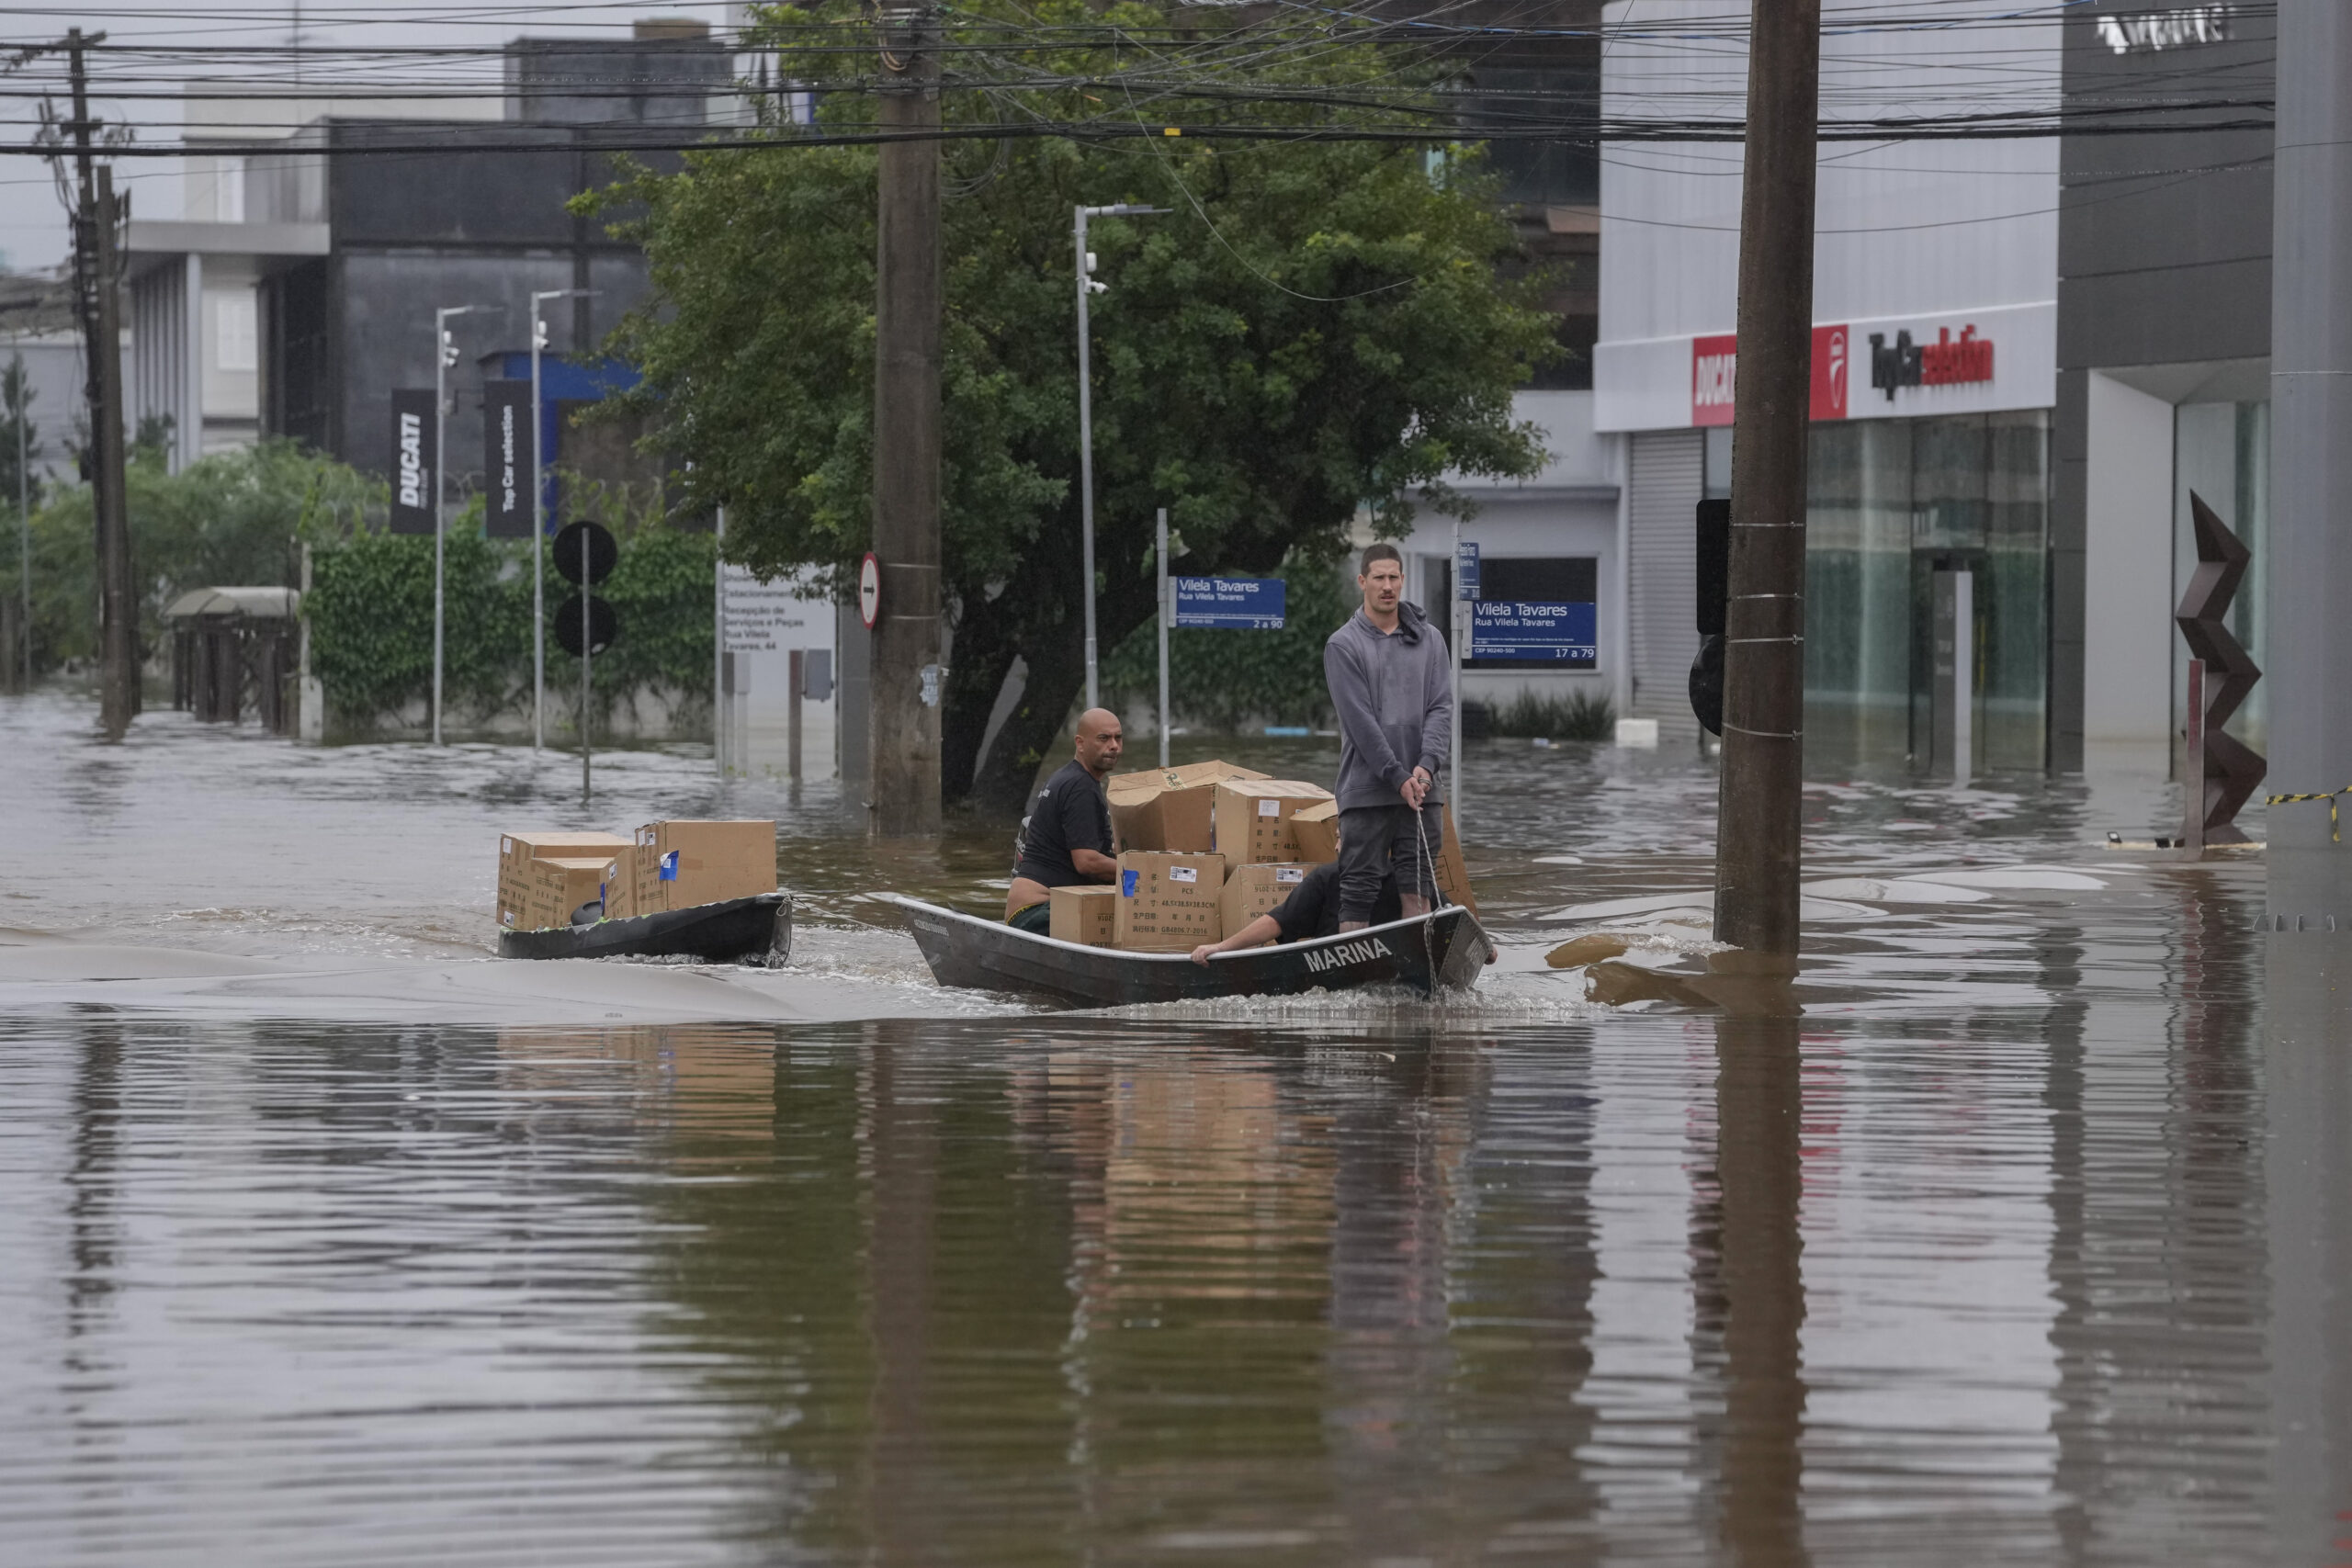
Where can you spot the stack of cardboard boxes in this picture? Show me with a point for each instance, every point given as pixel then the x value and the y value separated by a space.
pixel 1205 849
pixel 545 878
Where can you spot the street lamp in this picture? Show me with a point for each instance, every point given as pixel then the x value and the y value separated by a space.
pixel 1087 286
pixel 539 519
pixel 445 355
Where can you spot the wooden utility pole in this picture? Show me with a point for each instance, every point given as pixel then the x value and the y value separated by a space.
pixel 96 272
pixel 910 685
pixel 1759 814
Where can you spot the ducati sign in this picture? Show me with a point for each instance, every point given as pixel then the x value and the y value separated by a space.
pixel 1715 367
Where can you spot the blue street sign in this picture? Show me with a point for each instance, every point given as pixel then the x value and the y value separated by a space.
pixel 1508 628
pixel 1465 572
pixel 1231 603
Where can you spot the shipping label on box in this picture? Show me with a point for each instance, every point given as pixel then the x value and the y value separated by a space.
pixel 1171 809
pixel 680 863
pixel 1316 830
pixel 1085 914
pixel 1254 890
pixel 1253 818
pixel 1167 903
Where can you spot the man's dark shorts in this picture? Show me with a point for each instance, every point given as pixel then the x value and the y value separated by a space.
pixel 1373 840
pixel 1037 920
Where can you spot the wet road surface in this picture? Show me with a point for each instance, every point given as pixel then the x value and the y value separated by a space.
pixel 2027 1243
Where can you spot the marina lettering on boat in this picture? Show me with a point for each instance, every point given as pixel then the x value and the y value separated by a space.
pixel 1359 951
pixel 412 459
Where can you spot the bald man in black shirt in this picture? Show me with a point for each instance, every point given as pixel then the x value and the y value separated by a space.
pixel 1067 838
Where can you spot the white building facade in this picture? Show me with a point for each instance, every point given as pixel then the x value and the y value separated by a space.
pixel 1933 376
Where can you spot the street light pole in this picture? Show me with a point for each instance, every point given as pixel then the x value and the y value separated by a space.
pixel 540 520
pixel 444 353
pixel 1086 287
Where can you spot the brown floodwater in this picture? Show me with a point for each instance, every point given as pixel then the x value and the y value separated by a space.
pixel 2030 1241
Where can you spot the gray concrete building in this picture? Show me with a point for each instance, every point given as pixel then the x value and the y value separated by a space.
pixel 2164 360
pixel 298 289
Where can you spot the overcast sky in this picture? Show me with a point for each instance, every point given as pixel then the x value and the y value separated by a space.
pixel 32 222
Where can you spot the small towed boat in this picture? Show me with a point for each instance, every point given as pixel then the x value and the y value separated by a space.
pixel 1446 950
pixel 732 929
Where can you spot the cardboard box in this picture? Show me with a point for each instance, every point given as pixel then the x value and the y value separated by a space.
pixel 1317 828
pixel 1170 809
pixel 1253 818
pixel 553 888
pixel 1167 903
pixel 1315 832
pixel 1085 914
pixel 1254 890
pixel 517 850
pixel 682 863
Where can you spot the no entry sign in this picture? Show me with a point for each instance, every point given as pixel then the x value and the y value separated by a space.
pixel 869 591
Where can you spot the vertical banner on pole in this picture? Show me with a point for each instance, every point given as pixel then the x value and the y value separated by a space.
pixel 416 460
pixel 506 459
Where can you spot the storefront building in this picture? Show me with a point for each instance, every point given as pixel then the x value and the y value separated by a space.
pixel 2164 362
pixel 1933 381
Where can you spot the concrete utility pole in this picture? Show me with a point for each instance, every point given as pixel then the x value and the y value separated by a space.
pixel 2311 446
pixel 1761 810
pixel 910 685
pixel 95 268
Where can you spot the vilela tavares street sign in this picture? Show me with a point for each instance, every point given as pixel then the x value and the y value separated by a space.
pixel 1510 628
pixel 1230 604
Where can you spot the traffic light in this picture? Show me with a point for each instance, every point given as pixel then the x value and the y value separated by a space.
pixel 1714 600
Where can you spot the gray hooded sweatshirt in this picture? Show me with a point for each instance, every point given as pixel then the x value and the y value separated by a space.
pixel 1393 693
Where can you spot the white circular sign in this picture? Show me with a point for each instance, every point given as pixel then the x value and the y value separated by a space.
pixel 869 591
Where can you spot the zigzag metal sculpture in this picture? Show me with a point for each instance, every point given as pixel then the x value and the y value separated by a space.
pixel 2230 770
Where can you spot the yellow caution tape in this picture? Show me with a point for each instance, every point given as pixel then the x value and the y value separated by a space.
pixel 2334 832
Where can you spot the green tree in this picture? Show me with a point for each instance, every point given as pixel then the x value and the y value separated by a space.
pixel 1316 327
pixel 18 396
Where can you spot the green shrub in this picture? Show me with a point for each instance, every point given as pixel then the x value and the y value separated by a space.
pixel 1585 716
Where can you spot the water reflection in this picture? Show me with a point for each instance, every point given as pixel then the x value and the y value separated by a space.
pixel 2063 1284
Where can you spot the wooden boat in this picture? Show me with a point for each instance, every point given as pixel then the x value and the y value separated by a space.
pixel 1446 950
pixel 732 929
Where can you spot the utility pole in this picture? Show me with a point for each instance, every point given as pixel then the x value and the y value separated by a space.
pixel 95 268
pixel 2310 568
pixel 1760 812
pixel 910 684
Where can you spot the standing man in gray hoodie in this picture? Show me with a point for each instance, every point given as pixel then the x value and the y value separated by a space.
pixel 1392 686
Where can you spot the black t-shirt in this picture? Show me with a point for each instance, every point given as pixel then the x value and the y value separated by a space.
pixel 1313 908
pixel 1069 813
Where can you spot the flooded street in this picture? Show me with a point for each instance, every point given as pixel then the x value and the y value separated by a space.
pixel 331 1238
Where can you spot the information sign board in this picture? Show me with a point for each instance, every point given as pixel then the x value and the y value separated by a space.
pixel 1465 570
pixel 1509 628
pixel 1231 603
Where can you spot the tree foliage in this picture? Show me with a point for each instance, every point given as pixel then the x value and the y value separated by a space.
pixel 1315 328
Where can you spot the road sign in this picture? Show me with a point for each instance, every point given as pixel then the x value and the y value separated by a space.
pixel 1510 628
pixel 869 591
pixel 1465 570
pixel 603 553
pixel 1231 603
pixel 604 624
